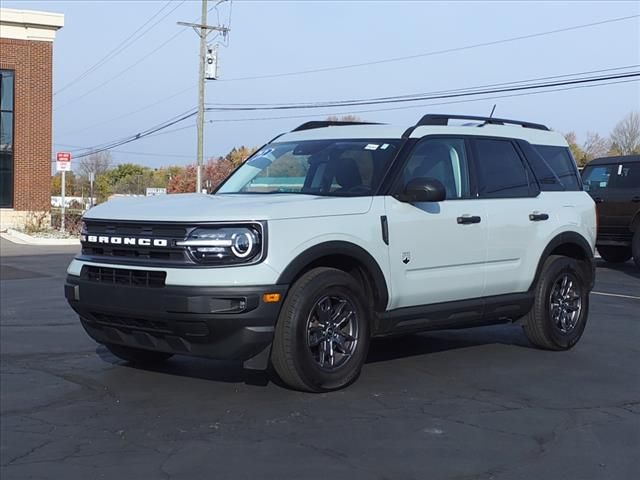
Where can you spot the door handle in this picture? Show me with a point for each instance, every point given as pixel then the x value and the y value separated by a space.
pixel 635 199
pixel 466 219
pixel 597 200
pixel 537 217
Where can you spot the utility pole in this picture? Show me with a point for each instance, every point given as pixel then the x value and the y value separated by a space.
pixel 203 30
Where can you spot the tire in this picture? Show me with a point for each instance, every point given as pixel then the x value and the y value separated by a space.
pixel 544 323
pixel 635 247
pixel 305 337
pixel 613 254
pixel 137 355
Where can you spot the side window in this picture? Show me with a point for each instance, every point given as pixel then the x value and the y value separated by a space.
pixel 560 162
pixel 444 159
pixel 597 178
pixel 628 176
pixel 501 172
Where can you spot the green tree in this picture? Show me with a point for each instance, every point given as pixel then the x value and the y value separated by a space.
pixel 70 184
pixel 576 150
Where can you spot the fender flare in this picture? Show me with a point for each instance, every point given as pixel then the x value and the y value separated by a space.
pixel 339 247
pixel 564 239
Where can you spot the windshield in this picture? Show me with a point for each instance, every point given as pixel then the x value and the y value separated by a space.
pixel 315 167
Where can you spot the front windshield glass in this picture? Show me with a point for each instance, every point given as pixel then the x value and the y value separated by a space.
pixel 315 167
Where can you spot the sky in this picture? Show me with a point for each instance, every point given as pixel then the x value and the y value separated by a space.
pixel 138 89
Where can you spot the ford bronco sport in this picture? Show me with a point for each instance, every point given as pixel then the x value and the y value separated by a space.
pixel 338 232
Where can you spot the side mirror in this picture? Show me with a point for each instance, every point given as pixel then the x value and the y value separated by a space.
pixel 424 190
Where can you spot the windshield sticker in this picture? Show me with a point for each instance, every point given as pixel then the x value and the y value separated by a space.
pixel 371 146
pixel 384 146
pixel 266 151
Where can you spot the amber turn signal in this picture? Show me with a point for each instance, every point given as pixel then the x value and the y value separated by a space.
pixel 271 297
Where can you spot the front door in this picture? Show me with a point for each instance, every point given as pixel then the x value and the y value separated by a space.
pixel 599 181
pixel 437 250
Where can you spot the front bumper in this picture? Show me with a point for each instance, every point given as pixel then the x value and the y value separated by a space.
pixel 225 323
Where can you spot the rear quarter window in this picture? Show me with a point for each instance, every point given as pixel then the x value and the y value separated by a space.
pixel 558 170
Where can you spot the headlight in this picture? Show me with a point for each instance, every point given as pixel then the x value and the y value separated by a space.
pixel 225 245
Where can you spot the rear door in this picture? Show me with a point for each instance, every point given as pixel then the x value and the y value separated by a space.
pixel 626 200
pixel 516 217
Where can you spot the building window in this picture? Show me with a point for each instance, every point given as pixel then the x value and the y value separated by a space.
pixel 6 138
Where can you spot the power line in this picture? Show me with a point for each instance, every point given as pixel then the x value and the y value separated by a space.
pixel 538 88
pixel 419 97
pixel 122 72
pixel 375 62
pixel 404 107
pixel 118 48
pixel 422 105
pixel 133 138
pixel 459 90
pixel 129 152
pixel 128 114
pixel 431 53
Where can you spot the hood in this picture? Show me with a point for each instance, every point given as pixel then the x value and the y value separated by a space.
pixel 199 207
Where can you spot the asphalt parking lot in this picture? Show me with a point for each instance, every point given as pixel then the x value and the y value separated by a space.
pixel 466 404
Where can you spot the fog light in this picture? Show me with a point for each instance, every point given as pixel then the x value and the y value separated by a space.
pixel 271 297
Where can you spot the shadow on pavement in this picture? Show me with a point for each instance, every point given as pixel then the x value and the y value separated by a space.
pixel 628 268
pixel 380 350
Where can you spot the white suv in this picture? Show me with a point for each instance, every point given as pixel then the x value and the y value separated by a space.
pixel 338 232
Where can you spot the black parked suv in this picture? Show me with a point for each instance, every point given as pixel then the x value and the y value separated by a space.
pixel 614 184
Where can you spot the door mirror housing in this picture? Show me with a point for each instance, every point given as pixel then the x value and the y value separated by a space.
pixel 424 190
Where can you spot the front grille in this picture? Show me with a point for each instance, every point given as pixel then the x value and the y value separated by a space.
pixel 169 254
pixel 123 276
pixel 158 327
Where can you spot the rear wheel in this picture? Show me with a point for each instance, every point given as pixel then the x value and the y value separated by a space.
pixel 322 335
pixel 635 246
pixel 137 355
pixel 614 254
pixel 559 314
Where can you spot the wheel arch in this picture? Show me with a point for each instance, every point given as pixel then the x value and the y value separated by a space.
pixel 345 256
pixel 568 244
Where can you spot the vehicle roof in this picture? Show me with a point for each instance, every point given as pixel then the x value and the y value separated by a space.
pixel 389 132
pixel 614 159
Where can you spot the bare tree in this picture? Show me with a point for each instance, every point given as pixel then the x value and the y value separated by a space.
pixel 625 137
pixel 96 163
pixel 595 146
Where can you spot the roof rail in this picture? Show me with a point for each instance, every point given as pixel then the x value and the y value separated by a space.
pixel 443 119
pixel 328 123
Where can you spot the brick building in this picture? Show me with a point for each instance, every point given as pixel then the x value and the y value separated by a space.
pixel 26 70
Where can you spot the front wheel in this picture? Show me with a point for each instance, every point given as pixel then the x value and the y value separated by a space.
pixel 322 335
pixel 137 355
pixel 559 314
pixel 614 254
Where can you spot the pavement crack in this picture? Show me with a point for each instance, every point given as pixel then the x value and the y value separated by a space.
pixel 27 453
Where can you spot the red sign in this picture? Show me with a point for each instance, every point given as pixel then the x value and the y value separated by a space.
pixel 63 161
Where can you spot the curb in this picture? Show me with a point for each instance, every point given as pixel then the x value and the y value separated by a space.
pixel 20 238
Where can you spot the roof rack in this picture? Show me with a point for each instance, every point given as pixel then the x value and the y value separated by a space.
pixel 443 119
pixel 328 123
